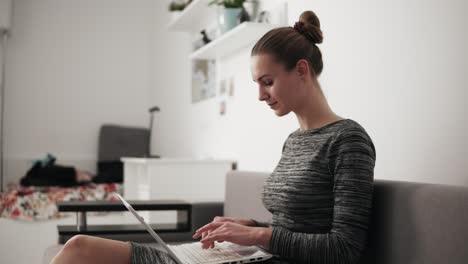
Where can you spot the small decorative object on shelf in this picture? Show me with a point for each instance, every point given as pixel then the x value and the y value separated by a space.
pixel 228 3
pixel 201 41
pixel 175 6
pixel 205 38
pixel 243 16
pixel 229 17
pixel 251 7
pixel 264 17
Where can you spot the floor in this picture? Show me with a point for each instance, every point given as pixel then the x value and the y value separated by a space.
pixel 26 242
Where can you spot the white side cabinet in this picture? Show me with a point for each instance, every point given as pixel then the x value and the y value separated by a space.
pixel 184 179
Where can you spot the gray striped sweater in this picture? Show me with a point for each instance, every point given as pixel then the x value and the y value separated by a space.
pixel 320 194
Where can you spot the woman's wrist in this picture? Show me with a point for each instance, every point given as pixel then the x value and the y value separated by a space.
pixel 250 222
pixel 263 236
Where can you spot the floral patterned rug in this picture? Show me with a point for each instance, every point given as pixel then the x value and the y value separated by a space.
pixel 38 203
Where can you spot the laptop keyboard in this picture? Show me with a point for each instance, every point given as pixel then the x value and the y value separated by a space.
pixel 193 253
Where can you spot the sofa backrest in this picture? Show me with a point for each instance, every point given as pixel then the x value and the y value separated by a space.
pixel 410 223
pixel 243 195
pixel 418 223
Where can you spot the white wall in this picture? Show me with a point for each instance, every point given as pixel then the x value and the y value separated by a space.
pixel 171 91
pixel 2 166
pixel 399 68
pixel 72 66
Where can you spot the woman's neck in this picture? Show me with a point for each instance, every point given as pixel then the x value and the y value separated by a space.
pixel 314 112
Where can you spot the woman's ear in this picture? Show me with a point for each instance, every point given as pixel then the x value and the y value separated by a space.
pixel 302 68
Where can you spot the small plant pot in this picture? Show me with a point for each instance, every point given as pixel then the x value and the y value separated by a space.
pixel 228 19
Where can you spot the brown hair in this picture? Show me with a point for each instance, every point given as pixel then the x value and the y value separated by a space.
pixel 290 44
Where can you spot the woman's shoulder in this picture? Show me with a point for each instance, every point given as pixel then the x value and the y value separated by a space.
pixel 348 124
pixel 351 133
pixel 333 133
pixel 350 127
pixel 339 127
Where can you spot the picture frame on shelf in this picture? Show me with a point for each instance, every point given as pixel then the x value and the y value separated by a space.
pixel 203 80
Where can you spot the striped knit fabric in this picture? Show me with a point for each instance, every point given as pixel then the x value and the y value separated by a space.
pixel 320 194
pixel 150 253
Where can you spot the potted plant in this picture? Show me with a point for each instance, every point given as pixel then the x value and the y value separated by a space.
pixel 228 18
pixel 176 7
pixel 228 3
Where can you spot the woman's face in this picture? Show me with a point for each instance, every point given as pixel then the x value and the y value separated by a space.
pixel 276 85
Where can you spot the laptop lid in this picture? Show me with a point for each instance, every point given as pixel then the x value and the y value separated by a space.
pixel 149 229
pixel 245 253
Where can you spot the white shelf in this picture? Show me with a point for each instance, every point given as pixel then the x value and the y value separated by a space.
pixel 235 39
pixel 194 18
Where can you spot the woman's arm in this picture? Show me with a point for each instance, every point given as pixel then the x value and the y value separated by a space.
pixel 352 161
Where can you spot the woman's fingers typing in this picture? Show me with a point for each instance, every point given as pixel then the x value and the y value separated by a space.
pixel 215 231
pixel 207 227
pixel 209 241
pixel 205 234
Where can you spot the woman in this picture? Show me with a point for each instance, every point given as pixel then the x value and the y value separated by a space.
pixel 320 194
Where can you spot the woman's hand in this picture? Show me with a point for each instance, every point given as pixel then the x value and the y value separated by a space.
pixel 233 232
pixel 246 222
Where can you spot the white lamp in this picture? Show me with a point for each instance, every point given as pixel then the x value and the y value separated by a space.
pixel 5 24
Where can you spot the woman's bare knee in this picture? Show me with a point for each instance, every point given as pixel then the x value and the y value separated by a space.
pixel 89 249
pixel 76 248
pixel 79 244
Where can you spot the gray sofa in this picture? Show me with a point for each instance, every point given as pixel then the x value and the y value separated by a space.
pixel 410 223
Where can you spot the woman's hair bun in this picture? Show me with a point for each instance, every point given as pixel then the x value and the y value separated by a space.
pixel 311 27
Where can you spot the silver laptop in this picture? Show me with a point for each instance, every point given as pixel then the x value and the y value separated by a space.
pixel 192 253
